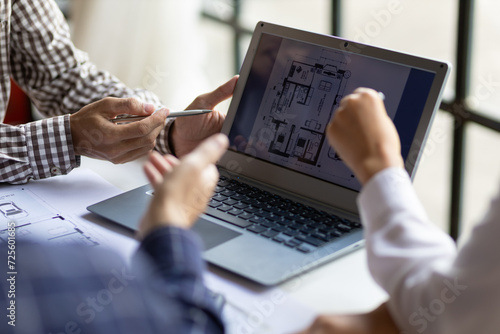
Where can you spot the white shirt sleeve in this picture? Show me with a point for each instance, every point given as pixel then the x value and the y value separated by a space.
pixel 432 287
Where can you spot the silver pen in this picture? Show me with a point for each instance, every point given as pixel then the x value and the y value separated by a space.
pixel 181 113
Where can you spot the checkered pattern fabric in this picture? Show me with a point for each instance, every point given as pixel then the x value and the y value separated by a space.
pixel 36 51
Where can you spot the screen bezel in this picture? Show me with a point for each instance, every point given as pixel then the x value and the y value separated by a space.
pixel 310 187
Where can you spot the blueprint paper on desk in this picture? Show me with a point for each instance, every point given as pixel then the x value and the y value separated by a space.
pixel 54 211
pixel 37 221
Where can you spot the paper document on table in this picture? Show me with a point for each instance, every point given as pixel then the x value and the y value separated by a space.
pixel 54 211
pixel 272 311
pixel 37 221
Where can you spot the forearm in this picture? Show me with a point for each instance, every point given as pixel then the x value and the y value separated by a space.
pixel 176 256
pixel 432 288
pixel 397 228
pixel 36 150
pixel 408 256
pixel 83 84
pixel 59 78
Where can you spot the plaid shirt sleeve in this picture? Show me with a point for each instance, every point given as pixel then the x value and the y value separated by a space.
pixel 34 150
pixel 60 80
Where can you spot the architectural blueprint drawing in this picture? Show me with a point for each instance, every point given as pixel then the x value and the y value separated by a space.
pixel 300 99
pixel 37 221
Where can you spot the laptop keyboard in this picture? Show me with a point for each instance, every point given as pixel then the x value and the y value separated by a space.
pixel 279 219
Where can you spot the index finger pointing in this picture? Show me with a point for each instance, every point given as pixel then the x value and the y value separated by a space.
pixel 209 151
pixel 221 93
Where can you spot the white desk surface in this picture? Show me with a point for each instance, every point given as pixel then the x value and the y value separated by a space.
pixel 341 286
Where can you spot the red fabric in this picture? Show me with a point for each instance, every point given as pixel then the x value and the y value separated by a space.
pixel 19 108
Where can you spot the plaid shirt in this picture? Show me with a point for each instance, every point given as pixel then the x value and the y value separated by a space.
pixel 36 51
pixel 71 289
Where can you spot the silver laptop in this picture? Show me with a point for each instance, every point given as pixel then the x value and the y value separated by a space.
pixel 286 202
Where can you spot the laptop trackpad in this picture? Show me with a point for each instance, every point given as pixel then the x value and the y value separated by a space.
pixel 213 234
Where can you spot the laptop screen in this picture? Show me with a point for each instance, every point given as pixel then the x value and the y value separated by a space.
pixel 292 92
